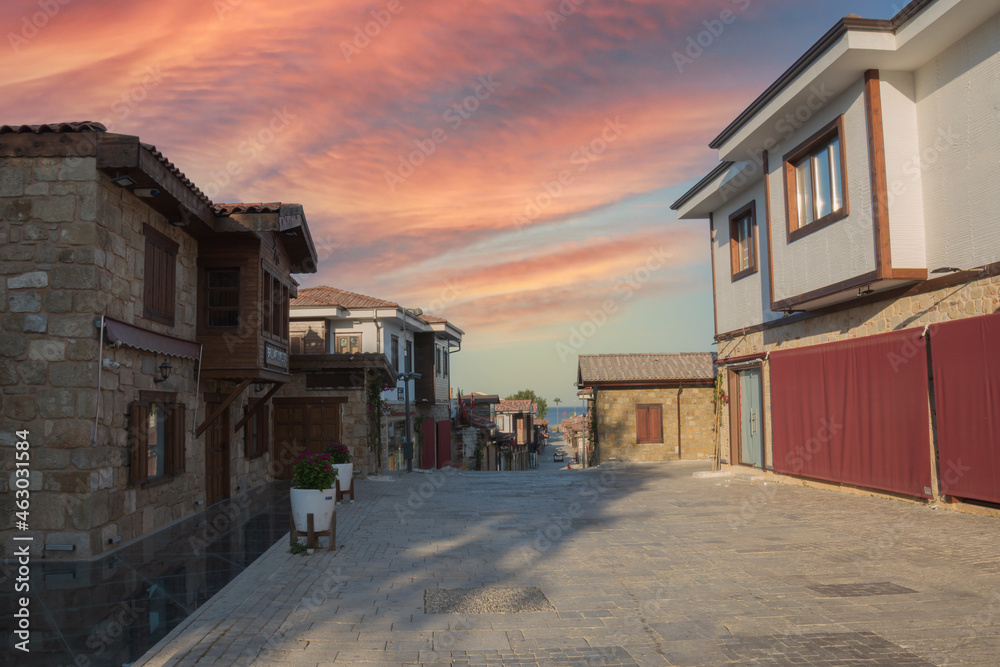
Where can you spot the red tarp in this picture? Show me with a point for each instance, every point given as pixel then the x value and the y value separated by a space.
pixel 854 411
pixel 966 357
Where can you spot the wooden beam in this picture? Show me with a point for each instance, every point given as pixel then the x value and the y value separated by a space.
pixel 257 406
pixel 222 406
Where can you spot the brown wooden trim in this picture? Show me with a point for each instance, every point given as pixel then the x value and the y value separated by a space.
pixel 646 384
pixel 879 181
pixel 258 404
pixel 829 290
pixel 655 438
pixel 767 224
pixel 908 274
pixel 737 360
pixel 715 297
pixel 835 128
pixel 222 407
pixel 924 287
pixel 735 424
pixel 325 400
pixel 750 209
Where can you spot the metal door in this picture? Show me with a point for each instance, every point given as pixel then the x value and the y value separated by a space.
pixel 751 418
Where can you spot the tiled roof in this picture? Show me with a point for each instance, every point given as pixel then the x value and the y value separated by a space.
pixel 514 406
pixel 227 209
pixel 329 296
pixel 177 172
pixel 642 367
pixel 81 126
pixel 433 319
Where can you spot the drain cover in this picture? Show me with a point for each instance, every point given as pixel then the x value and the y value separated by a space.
pixel 485 600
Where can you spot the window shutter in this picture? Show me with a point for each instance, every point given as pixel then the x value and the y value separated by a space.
pixel 137 441
pixel 656 423
pixel 641 432
pixel 176 436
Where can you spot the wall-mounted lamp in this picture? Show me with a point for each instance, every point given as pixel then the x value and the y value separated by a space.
pixel 165 369
pixel 123 180
pixel 115 540
pixel 865 290
pixel 146 192
pixel 179 223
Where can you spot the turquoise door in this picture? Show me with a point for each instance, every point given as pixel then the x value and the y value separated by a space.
pixel 751 437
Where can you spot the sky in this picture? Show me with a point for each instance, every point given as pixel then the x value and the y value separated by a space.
pixel 507 165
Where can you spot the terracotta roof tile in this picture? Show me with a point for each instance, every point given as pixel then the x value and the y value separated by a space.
pixel 514 406
pixel 227 209
pixel 329 296
pixel 177 172
pixel 81 126
pixel 433 319
pixel 596 368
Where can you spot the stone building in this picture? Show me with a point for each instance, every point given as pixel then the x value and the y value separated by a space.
pixel 857 317
pixel 144 330
pixel 649 407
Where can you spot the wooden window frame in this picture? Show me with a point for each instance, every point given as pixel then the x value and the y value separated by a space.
pixel 336 342
pixel 650 438
pixel 174 450
pixel 394 353
pixel 408 355
pixel 296 344
pixel 748 211
pixel 274 311
pixel 159 295
pixel 252 448
pixel 205 289
pixel 833 130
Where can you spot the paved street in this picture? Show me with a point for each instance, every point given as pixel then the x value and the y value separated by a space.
pixel 638 566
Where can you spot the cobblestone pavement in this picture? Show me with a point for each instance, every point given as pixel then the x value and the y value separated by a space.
pixel 643 565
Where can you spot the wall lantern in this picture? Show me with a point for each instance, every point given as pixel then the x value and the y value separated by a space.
pixel 123 180
pixel 165 369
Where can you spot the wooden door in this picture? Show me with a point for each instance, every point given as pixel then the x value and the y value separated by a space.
pixel 217 456
pixel 302 425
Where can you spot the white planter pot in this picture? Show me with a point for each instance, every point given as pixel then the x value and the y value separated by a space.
pixel 321 504
pixel 345 472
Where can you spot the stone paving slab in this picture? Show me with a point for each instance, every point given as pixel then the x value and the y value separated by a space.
pixel 642 565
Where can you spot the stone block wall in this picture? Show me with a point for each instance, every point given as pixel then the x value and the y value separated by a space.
pixel 616 416
pixel 72 248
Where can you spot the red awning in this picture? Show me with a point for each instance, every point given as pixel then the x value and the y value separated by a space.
pixel 144 339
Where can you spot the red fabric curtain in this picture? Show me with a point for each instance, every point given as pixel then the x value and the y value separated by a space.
pixel 854 411
pixel 966 359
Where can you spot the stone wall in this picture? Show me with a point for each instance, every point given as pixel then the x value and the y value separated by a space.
pixel 72 248
pixel 975 298
pixel 616 416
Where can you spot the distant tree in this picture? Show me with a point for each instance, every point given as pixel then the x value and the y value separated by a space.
pixel 528 394
pixel 557 401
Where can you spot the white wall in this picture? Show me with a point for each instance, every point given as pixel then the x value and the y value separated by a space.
pixel 903 177
pixel 845 249
pixel 958 97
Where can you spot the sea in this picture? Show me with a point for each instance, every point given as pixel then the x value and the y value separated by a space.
pixel 555 415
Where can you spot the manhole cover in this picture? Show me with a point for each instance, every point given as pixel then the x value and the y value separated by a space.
pixel 487 600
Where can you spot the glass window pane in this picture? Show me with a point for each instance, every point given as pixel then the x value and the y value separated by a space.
pixel 156 440
pixel 823 191
pixel 835 167
pixel 355 344
pixel 803 183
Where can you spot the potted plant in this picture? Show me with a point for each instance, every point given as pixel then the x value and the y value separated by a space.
pixel 313 490
pixel 340 458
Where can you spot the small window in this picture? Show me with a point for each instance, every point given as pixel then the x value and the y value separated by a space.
pixel 815 182
pixel 409 356
pixel 157 440
pixel 160 281
pixel 275 304
pixel 307 337
pixel 223 297
pixel 445 357
pixel 394 354
pixel 348 343
pixel 743 241
pixel 256 432
pixel 649 424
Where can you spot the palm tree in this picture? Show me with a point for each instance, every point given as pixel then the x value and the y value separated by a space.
pixel 557 401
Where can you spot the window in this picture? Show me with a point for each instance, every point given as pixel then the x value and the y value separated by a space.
pixel 160 277
pixel 743 241
pixel 348 343
pixel 275 302
pixel 437 360
pixel 815 182
pixel 222 297
pixel 444 356
pixel 256 434
pixel 648 424
pixel 409 356
pixel 394 354
pixel 156 438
